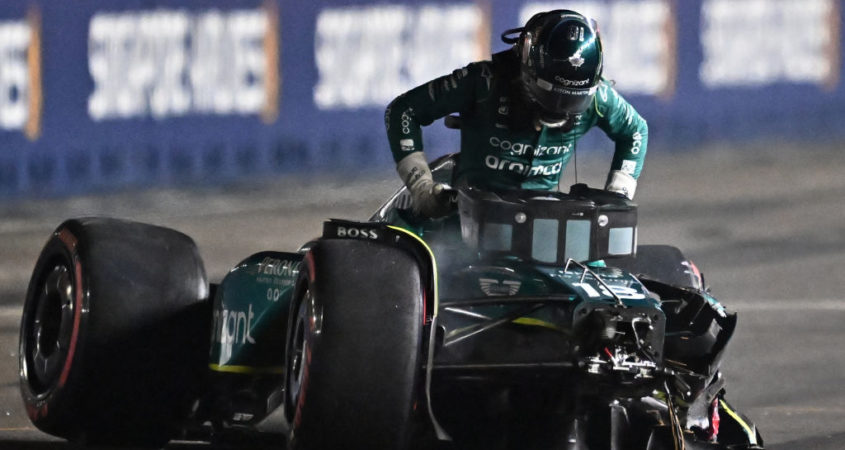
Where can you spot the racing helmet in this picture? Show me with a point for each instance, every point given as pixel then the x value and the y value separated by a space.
pixel 560 57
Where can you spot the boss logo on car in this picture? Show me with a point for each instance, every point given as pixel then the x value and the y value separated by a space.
pixel 357 233
pixel 342 229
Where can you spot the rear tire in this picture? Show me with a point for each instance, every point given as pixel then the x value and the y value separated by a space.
pixel 354 347
pixel 114 333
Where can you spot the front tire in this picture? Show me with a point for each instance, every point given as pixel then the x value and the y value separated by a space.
pixel 354 347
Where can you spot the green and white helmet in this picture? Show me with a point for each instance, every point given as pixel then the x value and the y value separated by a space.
pixel 560 56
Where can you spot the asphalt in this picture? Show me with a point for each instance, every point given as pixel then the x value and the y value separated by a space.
pixel 764 223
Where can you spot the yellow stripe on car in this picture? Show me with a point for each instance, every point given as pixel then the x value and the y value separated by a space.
pixel 536 323
pixel 247 369
pixel 752 436
pixel 433 263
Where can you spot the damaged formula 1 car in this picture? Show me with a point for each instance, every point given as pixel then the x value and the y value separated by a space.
pixel 527 320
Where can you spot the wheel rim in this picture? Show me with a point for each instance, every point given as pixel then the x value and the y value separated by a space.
pixel 299 348
pixel 47 332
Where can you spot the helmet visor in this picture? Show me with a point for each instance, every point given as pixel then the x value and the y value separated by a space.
pixel 557 99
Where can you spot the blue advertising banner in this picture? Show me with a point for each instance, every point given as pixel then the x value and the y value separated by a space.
pixel 103 94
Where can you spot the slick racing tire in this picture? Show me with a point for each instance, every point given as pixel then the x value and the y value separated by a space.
pixel 663 263
pixel 354 347
pixel 114 333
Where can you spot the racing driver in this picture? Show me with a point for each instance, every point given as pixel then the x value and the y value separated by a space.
pixel 520 114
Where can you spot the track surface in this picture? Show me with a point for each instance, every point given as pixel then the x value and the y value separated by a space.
pixel 766 226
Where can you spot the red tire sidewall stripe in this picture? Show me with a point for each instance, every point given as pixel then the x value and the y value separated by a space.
pixel 309 260
pixel 303 389
pixel 70 242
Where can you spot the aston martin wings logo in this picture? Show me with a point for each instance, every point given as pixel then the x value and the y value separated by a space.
pixel 494 287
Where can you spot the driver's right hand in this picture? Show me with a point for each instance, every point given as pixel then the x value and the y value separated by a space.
pixel 428 199
pixel 431 199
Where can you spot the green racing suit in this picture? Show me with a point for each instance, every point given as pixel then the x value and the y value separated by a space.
pixel 501 145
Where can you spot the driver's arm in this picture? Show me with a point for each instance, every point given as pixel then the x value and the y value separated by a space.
pixel 629 131
pixel 408 113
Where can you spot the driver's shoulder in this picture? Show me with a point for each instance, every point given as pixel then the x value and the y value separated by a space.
pixel 606 94
pixel 608 102
pixel 490 72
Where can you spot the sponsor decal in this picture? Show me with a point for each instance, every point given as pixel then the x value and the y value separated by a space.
pixel 407 145
pixel 233 327
pixel 493 287
pixel 571 83
pixel 278 267
pixel 366 55
pixel 637 146
pixel 357 233
pixel 526 169
pixel 520 148
pixel 171 63
pixel 276 272
pixel 406 120
pixel 578 92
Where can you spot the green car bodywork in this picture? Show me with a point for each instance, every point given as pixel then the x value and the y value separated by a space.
pixel 250 314
pixel 577 320
pixel 251 304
